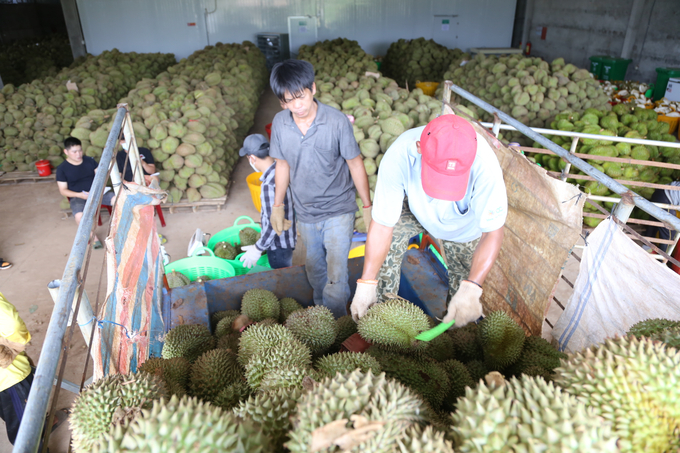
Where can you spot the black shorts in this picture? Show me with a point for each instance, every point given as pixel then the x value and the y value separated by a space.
pixel 78 204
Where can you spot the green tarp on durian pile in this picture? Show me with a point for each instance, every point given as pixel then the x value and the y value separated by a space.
pixel 36 117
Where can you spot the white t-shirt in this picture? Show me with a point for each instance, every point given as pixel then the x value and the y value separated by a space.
pixel 483 209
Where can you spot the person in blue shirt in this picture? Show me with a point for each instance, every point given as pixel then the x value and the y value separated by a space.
pixel 456 193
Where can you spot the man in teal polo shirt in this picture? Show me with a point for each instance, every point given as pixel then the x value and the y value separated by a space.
pixel 455 190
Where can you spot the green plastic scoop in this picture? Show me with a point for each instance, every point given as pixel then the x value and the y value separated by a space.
pixel 435 331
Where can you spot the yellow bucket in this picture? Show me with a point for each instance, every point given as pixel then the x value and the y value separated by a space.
pixel 255 186
pixel 357 251
pixel 671 120
pixel 428 87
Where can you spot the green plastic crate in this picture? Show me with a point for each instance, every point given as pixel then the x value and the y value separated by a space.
pixel 662 77
pixel 196 266
pixel 614 68
pixel 231 234
pixel 596 65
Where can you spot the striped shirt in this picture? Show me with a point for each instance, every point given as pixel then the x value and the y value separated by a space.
pixel 269 239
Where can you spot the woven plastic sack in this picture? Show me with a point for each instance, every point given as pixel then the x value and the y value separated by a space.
pixel 618 285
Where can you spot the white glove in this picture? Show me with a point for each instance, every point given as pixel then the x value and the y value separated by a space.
pixel 465 306
pixel 251 256
pixel 365 296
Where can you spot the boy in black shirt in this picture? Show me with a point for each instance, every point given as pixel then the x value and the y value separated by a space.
pixel 74 179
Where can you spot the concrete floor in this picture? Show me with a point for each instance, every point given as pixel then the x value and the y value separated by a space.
pixel 37 241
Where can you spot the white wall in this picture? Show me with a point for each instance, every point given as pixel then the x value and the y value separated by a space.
pixel 161 25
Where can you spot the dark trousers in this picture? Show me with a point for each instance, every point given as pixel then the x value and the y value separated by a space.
pixel 12 405
pixel 664 233
pixel 279 258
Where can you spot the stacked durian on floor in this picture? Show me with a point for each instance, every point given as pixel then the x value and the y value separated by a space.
pixel 272 377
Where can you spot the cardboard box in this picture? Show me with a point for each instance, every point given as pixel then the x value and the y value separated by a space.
pixel 673 90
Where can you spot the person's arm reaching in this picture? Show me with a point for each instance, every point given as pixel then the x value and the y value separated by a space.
pixel 63 190
pixel 360 178
pixel 485 255
pixel 281 181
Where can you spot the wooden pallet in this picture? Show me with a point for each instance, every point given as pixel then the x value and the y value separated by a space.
pixel 25 177
pixel 185 205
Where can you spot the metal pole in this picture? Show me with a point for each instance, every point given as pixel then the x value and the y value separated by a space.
pixel 631 31
pixel 85 314
pixel 588 169
pixel 28 438
pixel 75 31
pixel 623 209
pixel 528 17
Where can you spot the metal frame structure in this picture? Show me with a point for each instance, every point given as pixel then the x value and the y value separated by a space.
pixel 70 290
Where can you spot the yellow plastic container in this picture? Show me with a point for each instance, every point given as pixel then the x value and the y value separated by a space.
pixel 255 186
pixel 672 120
pixel 357 251
pixel 428 87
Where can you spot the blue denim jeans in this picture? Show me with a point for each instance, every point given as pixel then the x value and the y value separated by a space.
pixel 279 258
pixel 328 243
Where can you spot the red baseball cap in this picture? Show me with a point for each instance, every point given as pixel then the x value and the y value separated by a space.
pixel 448 146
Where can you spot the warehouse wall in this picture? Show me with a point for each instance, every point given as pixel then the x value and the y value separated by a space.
pixel 578 29
pixel 166 25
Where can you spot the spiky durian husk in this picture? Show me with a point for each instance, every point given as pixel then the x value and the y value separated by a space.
pixel 466 345
pixel 670 336
pixel 423 440
pixel 477 370
pixel 394 324
pixel 259 337
pixel 440 348
pixel 259 304
pixel 633 384
pixel 288 306
pixel 650 327
pixel 187 425
pixel 212 372
pixel 174 372
pixel 527 414
pixel 223 327
pixel 502 340
pixel 314 326
pixel 459 380
pixel 230 342
pixel 272 410
pixel 232 395
pixel 346 362
pixel 248 236
pixel 374 397
pixel 188 341
pixel 93 410
pixel 288 376
pixel 286 353
pixel 423 375
pixel 216 317
pixel 346 328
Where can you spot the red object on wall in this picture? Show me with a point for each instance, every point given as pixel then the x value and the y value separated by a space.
pixel 527 50
pixel 544 31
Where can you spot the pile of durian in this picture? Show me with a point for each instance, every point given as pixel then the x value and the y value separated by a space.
pixel 193 117
pixel 338 58
pixel 282 384
pixel 34 58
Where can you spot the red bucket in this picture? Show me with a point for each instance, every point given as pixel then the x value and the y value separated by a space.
pixel 44 167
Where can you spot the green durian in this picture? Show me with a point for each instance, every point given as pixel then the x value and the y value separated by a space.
pixel 225 251
pixel 347 362
pixel 213 371
pixel 230 396
pixel 650 327
pixel 466 344
pixel 394 324
pixel 259 304
pixel 248 236
pixel 265 361
pixel 176 279
pixel 174 372
pixel 188 341
pixel 288 306
pixel 346 328
pixel 259 337
pixel 423 440
pixel 224 325
pixel 501 338
pixel 315 327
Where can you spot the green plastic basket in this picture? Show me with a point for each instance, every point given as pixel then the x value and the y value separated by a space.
pixel 196 266
pixel 231 234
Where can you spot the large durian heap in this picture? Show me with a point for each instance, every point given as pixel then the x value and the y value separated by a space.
pixel 34 58
pixel 281 385
pixel 193 117
pixel 36 117
pixel 623 120
pixel 339 57
pixel 529 89
pixel 410 61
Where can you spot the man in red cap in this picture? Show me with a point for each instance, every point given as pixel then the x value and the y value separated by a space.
pixel 455 191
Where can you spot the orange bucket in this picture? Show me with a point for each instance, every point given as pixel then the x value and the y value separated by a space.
pixel 44 167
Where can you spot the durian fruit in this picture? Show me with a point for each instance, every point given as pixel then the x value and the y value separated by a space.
pixel 224 326
pixel 213 371
pixel 342 362
pixel 260 337
pixel 289 376
pixel 440 348
pixel 502 340
pixel 229 341
pixel 477 370
pixel 459 380
pixel 187 425
pixel 259 304
pixel 230 396
pixel 314 326
pixel 527 415
pixel 649 327
pixel 466 344
pixel 216 317
pixel 394 324
pixel 225 250
pixel 670 336
pixel 176 279
pixel 112 400
pixel 633 384
pixel 359 398
pixel 423 440
pixel 346 328
pixel 285 353
pixel 273 411
pixel 538 358
pixel 174 372
pixel 288 306
pixel 188 341
pixel 248 236
pixel 423 375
